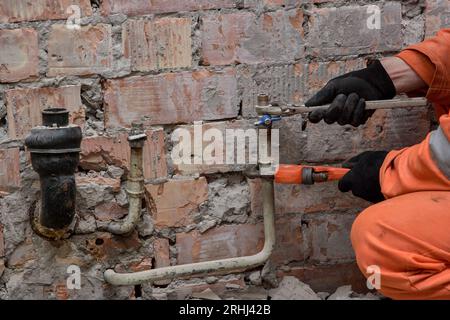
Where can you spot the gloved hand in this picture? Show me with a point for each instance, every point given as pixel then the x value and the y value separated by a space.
pixel 348 94
pixel 364 177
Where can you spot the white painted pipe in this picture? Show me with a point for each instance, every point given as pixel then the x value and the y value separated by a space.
pixel 209 267
pixel 135 190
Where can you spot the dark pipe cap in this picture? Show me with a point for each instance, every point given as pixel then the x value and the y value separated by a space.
pixel 58 116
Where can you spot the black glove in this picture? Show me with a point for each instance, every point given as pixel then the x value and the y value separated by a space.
pixel 348 94
pixel 364 177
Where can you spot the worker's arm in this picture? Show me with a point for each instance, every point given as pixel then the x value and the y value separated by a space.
pixel 425 166
pixel 421 68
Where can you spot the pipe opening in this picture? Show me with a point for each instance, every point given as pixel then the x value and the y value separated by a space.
pixel 55 116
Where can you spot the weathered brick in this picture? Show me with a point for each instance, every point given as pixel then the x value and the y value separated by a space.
pixel 173 202
pixel 99 152
pixel 327 237
pixel 113 184
pixel 155 165
pixel 437 16
pixel 26 10
pixel 109 211
pixel 22 254
pixel 19 58
pixel 208 168
pixel 141 265
pixel 326 278
pixel 133 8
pixel 292 83
pixel 24 107
pixel 323 143
pixel 95 190
pixel 161 44
pixel 330 37
pixel 107 247
pixel 162 254
pixel 221 287
pixel 284 3
pixel 284 83
pixel 244 38
pixel 322 197
pixel 2 251
pixel 9 169
pixel 289 245
pixel 79 52
pixel 2 242
pixel 171 98
pixel 319 73
pixel 222 242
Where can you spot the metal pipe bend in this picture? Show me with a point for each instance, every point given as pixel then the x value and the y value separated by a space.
pixel 208 267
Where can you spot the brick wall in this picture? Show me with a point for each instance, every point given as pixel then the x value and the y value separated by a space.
pixel 172 63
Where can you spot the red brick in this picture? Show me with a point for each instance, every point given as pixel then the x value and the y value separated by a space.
pixel 226 241
pixel 24 107
pixel 284 3
pixel 107 247
pixel 327 238
pixel 284 83
pixel 109 211
pixel 193 168
pixel 173 202
pixel 323 143
pixel 9 169
pixel 141 265
pixel 19 58
pixel 2 242
pixel 289 246
pixel 155 165
pixel 319 73
pixel 328 278
pixel 110 182
pixel 22 254
pixel 171 98
pixel 244 38
pixel 330 37
pixel 132 8
pixel 162 253
pixel 324 197
pixel 98 152
pixel 26 10
pixel 220 288
pixel 79 52
pixel 161 44
pixel 437 16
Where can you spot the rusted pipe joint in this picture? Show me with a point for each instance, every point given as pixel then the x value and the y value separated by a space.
pixel 55 149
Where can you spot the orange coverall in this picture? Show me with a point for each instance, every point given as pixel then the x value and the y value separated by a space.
pixel 408 235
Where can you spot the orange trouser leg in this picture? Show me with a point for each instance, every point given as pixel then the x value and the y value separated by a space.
pixel 408 238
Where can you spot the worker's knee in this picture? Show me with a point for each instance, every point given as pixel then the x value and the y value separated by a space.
pixel 363 231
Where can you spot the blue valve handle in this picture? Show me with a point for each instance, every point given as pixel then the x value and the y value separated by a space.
pixel 267 120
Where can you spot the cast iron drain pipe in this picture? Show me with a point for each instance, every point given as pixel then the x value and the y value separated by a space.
pixel 135 184
pixel 55 150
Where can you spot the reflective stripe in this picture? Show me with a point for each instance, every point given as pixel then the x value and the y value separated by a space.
pixel 440 151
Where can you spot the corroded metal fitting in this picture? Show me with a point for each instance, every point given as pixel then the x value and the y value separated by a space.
pixel 55 149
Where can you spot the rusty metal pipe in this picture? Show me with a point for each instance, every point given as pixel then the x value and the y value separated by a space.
pixel 54 149
pixel 135 184
pixel 209 267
